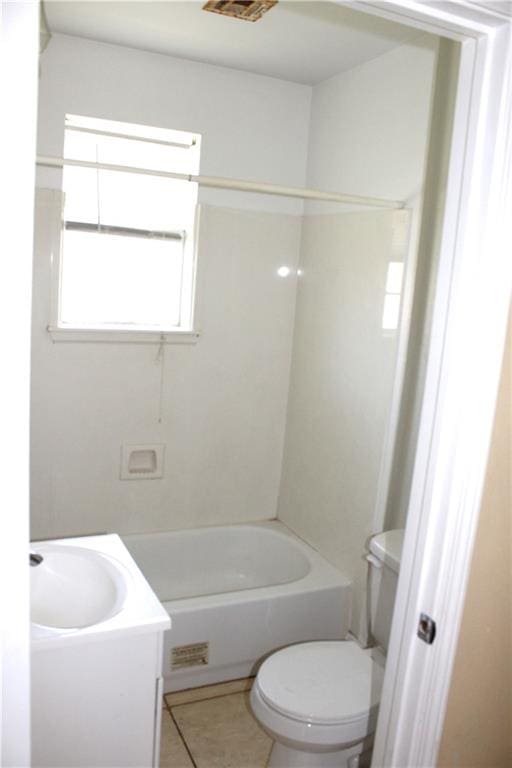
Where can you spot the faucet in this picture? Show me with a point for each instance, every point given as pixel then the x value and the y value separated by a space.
pixel 35 559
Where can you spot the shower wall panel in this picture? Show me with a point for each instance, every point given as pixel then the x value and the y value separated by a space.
pixel 224 399
pixel 218 406
pixel 340 387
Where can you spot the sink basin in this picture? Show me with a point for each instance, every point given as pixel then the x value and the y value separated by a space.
pixel 75 587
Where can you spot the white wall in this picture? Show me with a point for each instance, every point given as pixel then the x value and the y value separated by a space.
pixel 253 127
pixel 224 399
pixel 368 135
pixel 18 95
pixel 369 126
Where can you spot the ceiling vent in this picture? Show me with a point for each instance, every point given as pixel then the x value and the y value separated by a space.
pixel 249 10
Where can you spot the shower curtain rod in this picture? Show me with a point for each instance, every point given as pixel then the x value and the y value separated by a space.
pixel 234 184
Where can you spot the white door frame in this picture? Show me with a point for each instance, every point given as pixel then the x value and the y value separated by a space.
pixel 464 360
pixel 18 63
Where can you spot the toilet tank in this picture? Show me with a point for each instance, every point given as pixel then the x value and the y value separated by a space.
pixel 384 563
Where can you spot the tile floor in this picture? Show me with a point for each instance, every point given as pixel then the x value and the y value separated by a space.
pixel 212 727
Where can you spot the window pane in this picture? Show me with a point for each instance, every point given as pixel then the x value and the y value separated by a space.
pixel 391 313
pixel 112 280
pixel 118 280
pixel 81 200
pixel 146 202
pixel 119 198
pixel 395 276
pixel 145 155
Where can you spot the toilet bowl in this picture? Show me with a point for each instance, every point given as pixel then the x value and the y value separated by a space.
pixel 319 700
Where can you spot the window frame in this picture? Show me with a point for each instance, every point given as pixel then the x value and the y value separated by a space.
pixel 62 332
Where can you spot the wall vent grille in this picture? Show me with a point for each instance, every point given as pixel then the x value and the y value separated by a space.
pixel 192 655
pixel 248 10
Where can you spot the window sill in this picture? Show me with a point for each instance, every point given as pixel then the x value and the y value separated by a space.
pixel 111 336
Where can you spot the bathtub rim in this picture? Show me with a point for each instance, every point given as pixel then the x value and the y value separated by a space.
pixel 321 574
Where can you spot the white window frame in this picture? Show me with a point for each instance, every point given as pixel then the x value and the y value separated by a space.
pixel 62 333
pixel 463 368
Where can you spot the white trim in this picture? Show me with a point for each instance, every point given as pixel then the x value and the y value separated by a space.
pixel 455 19
pixel 19 38
pixel 114 335
pixel 464 360
pixel 500 8
pixel 130 137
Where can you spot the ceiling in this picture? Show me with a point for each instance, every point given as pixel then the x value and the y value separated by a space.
pixel 304 42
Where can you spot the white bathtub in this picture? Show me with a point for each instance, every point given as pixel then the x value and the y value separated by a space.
pixel 236 593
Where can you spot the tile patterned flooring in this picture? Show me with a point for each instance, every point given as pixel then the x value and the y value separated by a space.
pixel 212 727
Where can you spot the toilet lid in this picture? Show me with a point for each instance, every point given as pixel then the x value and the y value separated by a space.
pixel 330 682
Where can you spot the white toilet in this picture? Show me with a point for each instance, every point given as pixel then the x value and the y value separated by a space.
pixel 319 701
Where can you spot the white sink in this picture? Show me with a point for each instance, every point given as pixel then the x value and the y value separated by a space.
pixel 75 587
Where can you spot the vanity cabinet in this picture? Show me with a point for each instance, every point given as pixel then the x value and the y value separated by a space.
pixel 96 691
pixel 97 704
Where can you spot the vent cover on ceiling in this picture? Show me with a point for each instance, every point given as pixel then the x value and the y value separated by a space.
pixel 250 10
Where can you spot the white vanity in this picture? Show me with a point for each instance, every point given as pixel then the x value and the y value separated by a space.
pixel 97 632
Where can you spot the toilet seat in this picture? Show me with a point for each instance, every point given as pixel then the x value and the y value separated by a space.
pixel 327 686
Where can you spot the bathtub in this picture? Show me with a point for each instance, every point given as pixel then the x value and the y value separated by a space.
pixel 236 593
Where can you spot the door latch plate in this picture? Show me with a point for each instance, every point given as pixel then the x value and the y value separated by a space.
pixel 426 629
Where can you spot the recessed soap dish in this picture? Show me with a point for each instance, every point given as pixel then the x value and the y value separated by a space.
pixel 142 462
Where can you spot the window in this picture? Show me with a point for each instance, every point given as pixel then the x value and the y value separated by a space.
pixel 391 313
pixel 127 257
